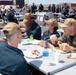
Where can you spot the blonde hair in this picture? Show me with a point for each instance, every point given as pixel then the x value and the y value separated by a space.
pixel 12 37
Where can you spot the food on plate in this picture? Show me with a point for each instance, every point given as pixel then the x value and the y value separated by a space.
pixel 60 50
pixel 59 42
pixel 32 51
pixel 23 35
pixel 71 55
pixel 35 52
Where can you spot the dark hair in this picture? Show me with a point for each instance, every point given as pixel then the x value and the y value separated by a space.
pixel 55 28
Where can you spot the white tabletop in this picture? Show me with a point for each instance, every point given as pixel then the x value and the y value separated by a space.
pixel 52 68
pixel 69 71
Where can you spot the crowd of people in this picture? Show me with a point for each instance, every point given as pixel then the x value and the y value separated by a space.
pixel 65 9
pixel 8 14
pixel 12 58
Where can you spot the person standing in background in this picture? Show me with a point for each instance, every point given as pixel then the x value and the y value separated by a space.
pixel 53 8
pixel 41 7
pixel 33 8
pixel 66 7
pixel 10 16
pixel 24 9
pixel 49 8
pixel 73 15
pixel 57 9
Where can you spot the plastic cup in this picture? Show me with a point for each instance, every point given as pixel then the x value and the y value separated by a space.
pixel 57 57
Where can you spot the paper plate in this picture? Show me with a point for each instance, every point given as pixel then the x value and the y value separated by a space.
pixel 71 55
pixel 29 54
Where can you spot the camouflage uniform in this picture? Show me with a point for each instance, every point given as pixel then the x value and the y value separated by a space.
pixel 67 39
pixel 71 40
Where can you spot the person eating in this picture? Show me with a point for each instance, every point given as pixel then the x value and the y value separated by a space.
pixel 51 30
pixel 12 59
pixel 31 27
pixel 67 41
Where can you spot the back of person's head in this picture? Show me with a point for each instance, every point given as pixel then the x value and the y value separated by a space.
pixel 33 3
pixel 28 17
pixel 53 22
pixel 11 30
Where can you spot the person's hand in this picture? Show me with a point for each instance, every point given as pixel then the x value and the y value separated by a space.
pixel 66 47
pixel 22 26
pixel 53 39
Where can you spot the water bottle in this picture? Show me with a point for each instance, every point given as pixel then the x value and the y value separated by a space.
pixel 45 54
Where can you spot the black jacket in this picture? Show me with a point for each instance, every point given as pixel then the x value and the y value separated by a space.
pixel 35 30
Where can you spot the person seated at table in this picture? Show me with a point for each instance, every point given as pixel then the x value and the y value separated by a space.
pixel 12 58
pixel 10 16
pixel 51 26
pixel 73 15
pixel 32 28
pixel 67 41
